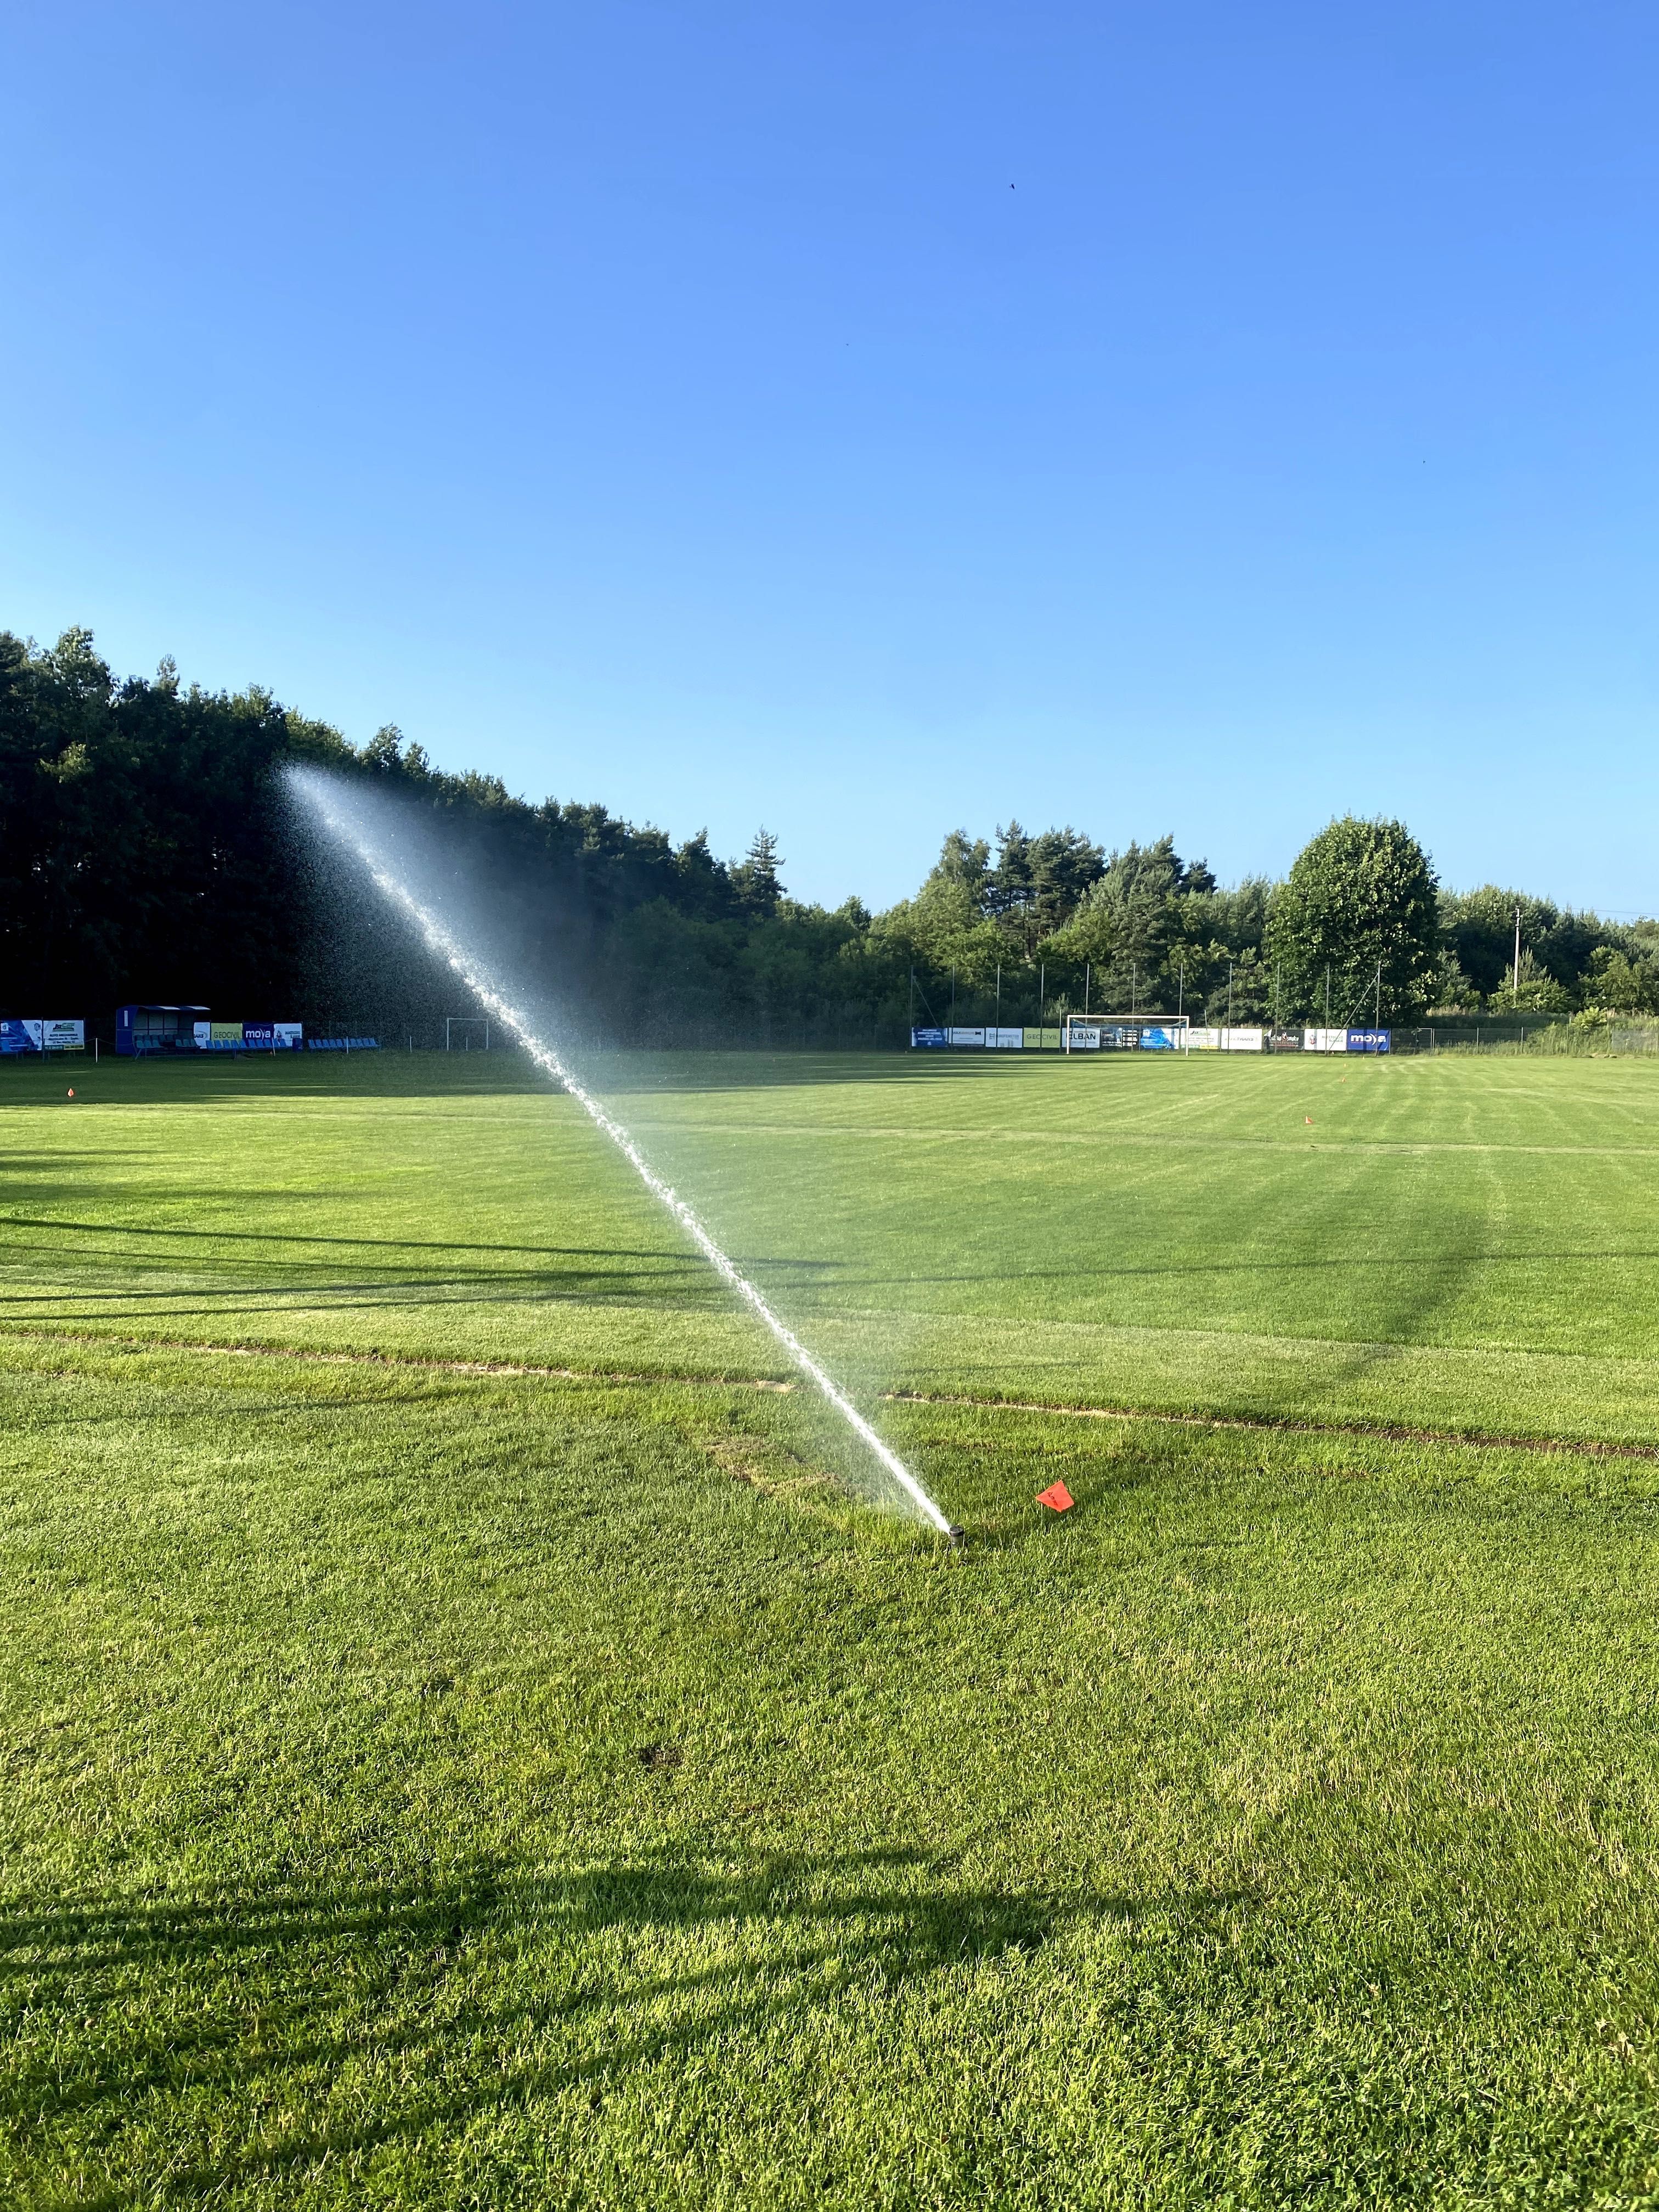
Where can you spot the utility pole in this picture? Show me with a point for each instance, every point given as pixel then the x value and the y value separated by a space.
pixel 1043 999
pixel 1517 958
pixel 1085 990
pixel 1230 1002
pixel 913 994
pixel 1328 994
pixel 953 994
pixel 1180 989
pixel 998 994
pixel 1377 1018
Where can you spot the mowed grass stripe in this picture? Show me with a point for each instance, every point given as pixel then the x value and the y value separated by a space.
pixel 430 1784
pixel 1294 1139
pixel 553 1795
pixel 1473 1438
pixel 1511 1293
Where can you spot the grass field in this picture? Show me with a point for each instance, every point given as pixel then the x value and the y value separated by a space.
pixel 439 1779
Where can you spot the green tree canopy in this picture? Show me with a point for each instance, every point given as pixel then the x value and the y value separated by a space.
pixel 146 852
pixel 1359 902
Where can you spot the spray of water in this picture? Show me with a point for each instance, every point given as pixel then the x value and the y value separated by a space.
pixel 331 806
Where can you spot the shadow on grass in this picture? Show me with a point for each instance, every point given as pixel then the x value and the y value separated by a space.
pixel 144 1232
pixel 189 1081
pixel 464 1999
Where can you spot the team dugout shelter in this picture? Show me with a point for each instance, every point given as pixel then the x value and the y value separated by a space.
pixel 142 1032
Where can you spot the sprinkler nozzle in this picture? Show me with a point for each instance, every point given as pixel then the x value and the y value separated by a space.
pixel 955 1538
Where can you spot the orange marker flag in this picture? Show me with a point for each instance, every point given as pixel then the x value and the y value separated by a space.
pixel 1057 1497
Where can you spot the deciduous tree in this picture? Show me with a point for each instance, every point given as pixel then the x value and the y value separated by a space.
pixel 1360 900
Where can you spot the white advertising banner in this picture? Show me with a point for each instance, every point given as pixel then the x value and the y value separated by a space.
pixel 1324 1040
pixel 28 1035
pixel 1005 1040
pixel 966 1037
pixel 1225 1040
pixel 1080 1038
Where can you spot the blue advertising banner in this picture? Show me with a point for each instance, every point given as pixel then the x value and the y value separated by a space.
pixel 1369 1040
pixel 46 1036
pixel 933 1040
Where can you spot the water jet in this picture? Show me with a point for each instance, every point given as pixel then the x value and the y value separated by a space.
pixel 334 805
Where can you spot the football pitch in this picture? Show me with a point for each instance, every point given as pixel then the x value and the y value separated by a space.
pixel 467 1744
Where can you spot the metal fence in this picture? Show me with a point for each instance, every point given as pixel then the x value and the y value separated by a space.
pixel 1550 1039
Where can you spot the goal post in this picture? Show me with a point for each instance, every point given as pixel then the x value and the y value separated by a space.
pixel 1124 1033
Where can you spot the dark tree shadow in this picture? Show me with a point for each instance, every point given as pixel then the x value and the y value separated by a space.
pixel 818 1925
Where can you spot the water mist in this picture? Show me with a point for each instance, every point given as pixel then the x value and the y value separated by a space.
pixel 331 802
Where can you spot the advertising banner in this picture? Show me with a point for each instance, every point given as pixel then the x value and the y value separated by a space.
pixel 1225 1040
pixel 966 1037
pixel 1369 1040
pixel 1005 1040
pixel 1324 1040
pixel 926 1040
pixel 30 1036
pixel 1156 1038
pixel 249 1037
pixel 1081 1038
pixel 345 1044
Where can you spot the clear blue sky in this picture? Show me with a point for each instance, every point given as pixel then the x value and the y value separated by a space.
pixel 870 418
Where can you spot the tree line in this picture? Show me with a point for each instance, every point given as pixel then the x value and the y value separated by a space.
pixel 146 852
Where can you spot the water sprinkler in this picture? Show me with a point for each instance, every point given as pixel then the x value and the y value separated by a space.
pixel 955 1538
pixel 330 803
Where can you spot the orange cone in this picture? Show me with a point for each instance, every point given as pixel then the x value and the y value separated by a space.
pixel 71 1090
pixel 1056 1497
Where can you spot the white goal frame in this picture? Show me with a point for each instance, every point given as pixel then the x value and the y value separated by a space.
pixel 1179 1023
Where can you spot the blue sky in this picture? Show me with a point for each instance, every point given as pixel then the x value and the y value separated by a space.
pixel 867 419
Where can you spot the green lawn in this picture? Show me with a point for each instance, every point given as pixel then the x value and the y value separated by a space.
pixel 431 1785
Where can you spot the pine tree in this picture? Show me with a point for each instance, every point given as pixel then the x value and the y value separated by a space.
pixel 756 877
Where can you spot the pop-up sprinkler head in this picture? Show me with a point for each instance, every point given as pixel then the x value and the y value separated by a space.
pixel 955 1538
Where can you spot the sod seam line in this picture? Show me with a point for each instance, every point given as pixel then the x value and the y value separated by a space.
pixel 1266 1424
pixel 1259 1425
pixel 506 1368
